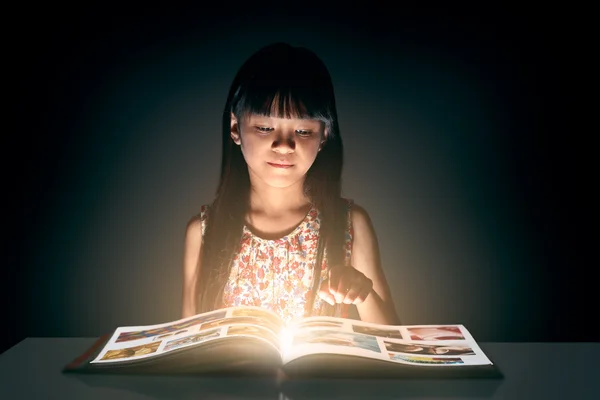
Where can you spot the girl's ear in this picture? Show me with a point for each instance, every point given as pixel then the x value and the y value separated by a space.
pixel 235 130
pixel 323 139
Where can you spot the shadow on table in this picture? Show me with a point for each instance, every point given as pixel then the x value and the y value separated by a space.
pixel 233 388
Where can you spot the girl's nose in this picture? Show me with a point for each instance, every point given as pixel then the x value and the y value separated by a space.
pixel 284 144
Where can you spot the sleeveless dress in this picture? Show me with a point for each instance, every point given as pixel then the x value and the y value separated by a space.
pixel 277 273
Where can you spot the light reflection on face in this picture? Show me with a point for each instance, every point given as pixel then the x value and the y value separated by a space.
pixel 278 151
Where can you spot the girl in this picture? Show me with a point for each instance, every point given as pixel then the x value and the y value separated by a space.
pixel 278 234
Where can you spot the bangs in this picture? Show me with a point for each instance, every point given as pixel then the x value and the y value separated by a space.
pixel 294 100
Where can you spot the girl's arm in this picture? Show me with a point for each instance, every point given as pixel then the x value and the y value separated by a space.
pixel 191 266
pixel 378 306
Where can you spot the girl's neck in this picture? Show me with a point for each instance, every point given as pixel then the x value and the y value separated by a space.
pixel 276 202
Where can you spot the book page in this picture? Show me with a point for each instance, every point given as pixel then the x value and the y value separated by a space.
pixel 141 342
pixel 419 345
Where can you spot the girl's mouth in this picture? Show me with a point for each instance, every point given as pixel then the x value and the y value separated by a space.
pixel 280 165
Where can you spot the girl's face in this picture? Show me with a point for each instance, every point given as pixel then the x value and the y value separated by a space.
pixel 278 151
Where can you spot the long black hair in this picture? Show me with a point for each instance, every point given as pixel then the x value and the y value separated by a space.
pixel 282 81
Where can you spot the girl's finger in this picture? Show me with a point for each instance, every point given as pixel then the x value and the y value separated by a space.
pixel 351 295
pixel 362 296
pixel 347 282
pixel 360 289
pixel 325 294
pixel 333 280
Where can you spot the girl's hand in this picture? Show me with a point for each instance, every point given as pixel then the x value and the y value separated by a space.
pixel 346 285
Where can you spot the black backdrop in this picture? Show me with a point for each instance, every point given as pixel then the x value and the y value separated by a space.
pixel 457 143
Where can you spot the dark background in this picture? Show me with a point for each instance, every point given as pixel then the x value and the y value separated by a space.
pixel 458 136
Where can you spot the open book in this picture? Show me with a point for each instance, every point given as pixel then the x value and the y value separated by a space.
pixel 252 340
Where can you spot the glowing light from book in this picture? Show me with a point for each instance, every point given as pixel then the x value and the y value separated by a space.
pixel 286 337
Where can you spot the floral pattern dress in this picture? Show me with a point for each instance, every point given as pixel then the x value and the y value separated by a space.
pixel 277 274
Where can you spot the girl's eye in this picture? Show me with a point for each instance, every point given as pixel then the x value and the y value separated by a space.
pixel 299 132
pixel 263 129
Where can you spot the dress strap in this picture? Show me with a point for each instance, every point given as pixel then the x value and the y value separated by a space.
pixel 347 310
pixel 349 236
pixel 203 215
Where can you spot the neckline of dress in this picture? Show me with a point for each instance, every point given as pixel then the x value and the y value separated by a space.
pixel 294 232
